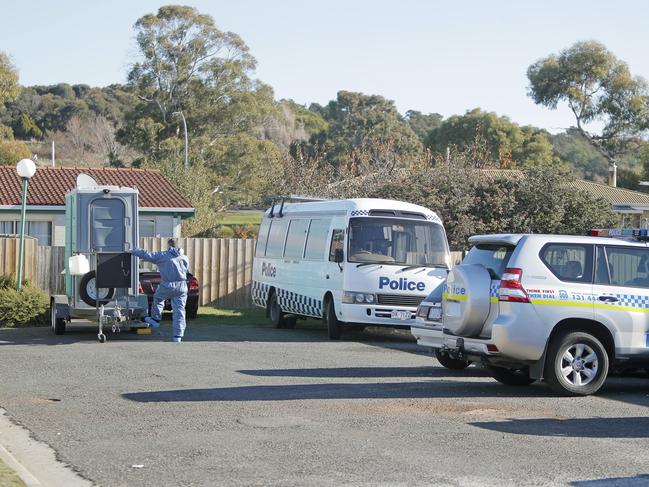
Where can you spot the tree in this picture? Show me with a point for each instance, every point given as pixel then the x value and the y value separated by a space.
pixel 421 124
pixel 506 144
pixel 12 151
pixel 9 88
pixel 597 87
pixel 368 125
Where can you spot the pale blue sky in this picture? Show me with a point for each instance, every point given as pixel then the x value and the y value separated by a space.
pixel 431 56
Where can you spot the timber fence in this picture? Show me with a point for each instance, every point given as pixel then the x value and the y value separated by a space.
pixel 223 266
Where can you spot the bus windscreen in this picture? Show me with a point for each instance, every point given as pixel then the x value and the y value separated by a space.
pixel 397 241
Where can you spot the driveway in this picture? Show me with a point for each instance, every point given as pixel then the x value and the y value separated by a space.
pixel 243 405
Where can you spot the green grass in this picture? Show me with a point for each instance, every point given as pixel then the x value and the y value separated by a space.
pixel 217 316
pixel 8 477
pixel 241 218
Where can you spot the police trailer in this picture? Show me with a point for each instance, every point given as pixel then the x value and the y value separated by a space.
pixel 355 262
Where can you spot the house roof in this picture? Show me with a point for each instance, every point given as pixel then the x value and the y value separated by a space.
pixel 614 195
pixel 50 184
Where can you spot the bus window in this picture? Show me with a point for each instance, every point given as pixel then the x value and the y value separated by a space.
pixel 316 241
pixel 276 238
pixel 337 242
pixel 295 239
pixel 262 238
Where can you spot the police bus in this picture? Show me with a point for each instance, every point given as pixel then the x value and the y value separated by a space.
pixel 354 262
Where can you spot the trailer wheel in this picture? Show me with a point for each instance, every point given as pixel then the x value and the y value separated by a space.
pixel 330 320
pixel 88 291
pixel 275 312
pixel 58 324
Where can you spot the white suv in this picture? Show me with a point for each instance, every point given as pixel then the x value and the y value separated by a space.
pixel 565 309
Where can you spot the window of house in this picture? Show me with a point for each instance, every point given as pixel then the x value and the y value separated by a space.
pixel 295 239
pixel 42 231
pixel 7 228
pixel 147 227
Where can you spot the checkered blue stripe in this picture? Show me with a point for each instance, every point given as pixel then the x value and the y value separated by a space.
pixel 494 288
pixel 259 293
pixel 360 212
pixel 299 304
pixel 632 300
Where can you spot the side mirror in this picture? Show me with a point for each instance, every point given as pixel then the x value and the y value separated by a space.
pixel 339 256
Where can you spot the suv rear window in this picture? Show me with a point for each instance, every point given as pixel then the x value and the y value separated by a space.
pixel 569 262
pixel 494 257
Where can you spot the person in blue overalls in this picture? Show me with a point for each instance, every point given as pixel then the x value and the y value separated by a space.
pixel 173 265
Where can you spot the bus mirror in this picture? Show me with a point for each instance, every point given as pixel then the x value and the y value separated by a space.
pixel 339 256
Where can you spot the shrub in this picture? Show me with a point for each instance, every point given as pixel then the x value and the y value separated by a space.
pixel 224 232
pixel 24 307
pixel 11 151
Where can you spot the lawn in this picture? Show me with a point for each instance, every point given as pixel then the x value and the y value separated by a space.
pixel 8 477
pixel 241 218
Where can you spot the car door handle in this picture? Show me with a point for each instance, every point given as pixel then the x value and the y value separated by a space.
pixel 608 299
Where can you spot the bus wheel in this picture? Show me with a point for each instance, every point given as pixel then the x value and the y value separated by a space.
pixel 275 312
pixel 330 320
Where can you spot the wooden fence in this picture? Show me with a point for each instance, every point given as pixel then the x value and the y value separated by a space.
pixel 222 266
pixel 9 250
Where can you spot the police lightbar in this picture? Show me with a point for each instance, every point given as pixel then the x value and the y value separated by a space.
pixel 634 233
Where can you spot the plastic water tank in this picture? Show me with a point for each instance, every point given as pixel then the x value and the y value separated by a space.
pixel 78 265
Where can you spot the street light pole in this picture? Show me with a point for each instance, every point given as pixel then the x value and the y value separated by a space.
pixel 26 169
pixel 186 138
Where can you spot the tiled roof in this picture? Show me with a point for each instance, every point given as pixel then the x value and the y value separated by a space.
pixel 615 196
pixel 50 184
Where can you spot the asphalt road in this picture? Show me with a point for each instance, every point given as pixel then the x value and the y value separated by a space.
pixel 237 405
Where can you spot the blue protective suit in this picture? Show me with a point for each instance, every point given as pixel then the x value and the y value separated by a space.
pixel 173 265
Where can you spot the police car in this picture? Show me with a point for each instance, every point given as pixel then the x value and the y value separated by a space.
pixel 563 309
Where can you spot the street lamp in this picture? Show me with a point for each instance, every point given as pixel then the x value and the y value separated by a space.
pixel 186 139
pixel 25 169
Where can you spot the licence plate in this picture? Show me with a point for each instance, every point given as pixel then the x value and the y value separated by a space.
pixel 435 314
pixel 398 314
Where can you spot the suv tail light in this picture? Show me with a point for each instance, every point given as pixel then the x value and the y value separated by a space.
pixel 193 284
pixel 511 288
pixel 140 290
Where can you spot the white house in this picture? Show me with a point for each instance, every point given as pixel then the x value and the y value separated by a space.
pixel 162 208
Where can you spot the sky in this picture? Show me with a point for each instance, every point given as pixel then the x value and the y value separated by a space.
pixel 432 56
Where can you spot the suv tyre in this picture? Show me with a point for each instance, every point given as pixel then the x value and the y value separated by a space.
pixel 577 364
pixel 511 377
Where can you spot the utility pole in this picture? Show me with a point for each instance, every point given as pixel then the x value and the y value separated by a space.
pixel 53 154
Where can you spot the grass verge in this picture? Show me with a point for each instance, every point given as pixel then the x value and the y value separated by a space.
pixel 241 218
pixel 9 478
pixel 218 316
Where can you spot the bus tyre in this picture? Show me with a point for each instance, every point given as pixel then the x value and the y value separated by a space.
pixel 451 363
pixel 331 321
pixel 275 313
pixel 577 364
pixel 511 377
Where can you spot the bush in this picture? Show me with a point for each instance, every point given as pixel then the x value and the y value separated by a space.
pixel 25 307
pixel 11 151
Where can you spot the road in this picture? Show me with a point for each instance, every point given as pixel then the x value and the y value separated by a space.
pixel 241 405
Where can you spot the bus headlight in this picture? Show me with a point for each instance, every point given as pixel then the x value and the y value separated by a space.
pixel 350 297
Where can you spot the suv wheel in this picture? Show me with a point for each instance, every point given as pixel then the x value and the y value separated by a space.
pixel 451 363
pixel 511 377
pixel 577 364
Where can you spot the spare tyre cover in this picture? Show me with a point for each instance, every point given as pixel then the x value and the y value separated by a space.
pixel 465 302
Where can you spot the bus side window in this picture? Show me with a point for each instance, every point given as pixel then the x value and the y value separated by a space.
pixel 337 242
pixel 262 238
pixel 276 239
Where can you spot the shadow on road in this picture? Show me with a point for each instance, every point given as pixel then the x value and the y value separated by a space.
pixel 393 390
pixel 367 372
pixel 636 481
pixel 625 427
